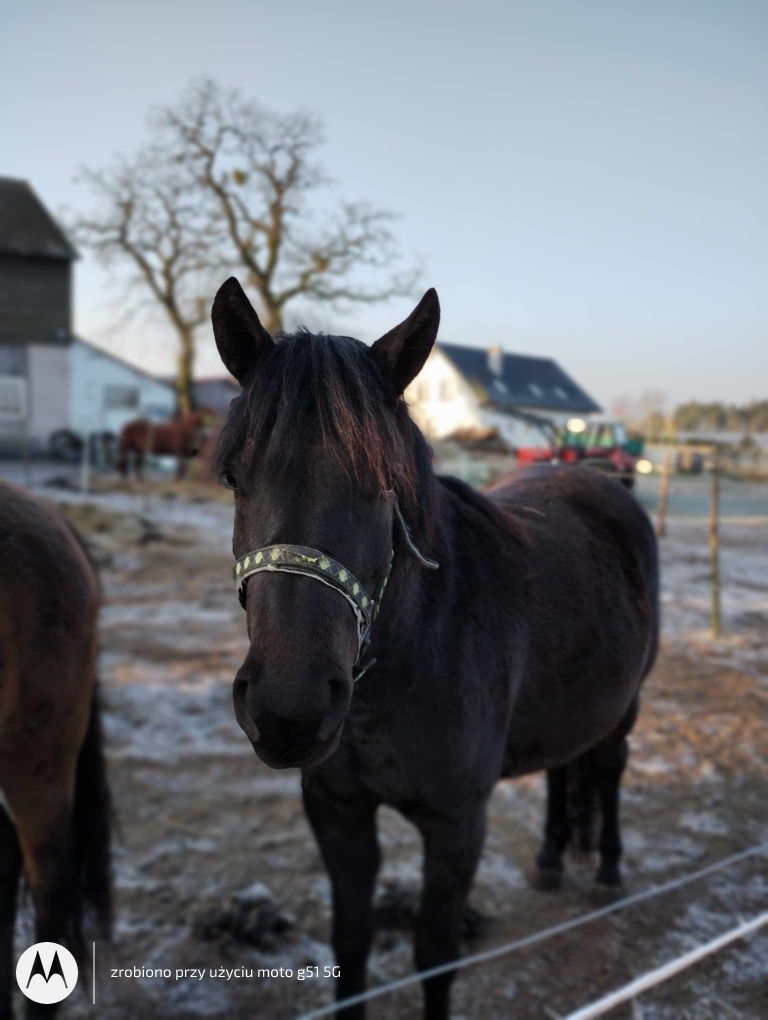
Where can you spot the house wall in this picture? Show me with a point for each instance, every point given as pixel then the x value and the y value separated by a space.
pixel 440 400
pixel 105 393
pixel 13 409
pixel 35 300
pixel 48 391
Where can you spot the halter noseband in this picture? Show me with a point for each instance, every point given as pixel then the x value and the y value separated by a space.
pixel 301 559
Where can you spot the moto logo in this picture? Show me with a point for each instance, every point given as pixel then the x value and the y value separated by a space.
pixel 46 972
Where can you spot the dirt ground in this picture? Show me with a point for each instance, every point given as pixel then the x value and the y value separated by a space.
pixel 205 826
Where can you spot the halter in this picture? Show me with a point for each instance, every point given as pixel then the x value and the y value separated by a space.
pixel 301 559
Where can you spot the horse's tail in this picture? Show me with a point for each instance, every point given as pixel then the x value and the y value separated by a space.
pixel 91 830
pixel 582 797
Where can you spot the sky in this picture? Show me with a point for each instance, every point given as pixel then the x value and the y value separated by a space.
pixel 581 181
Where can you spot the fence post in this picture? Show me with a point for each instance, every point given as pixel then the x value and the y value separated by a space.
pixel 714 543
pixel 666 472
pixel 85 464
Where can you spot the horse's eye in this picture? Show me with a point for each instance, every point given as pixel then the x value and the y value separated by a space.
pixel 228 479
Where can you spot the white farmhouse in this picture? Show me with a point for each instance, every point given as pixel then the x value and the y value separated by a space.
pixel 465 389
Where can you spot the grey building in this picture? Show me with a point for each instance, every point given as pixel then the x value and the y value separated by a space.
pixel 35 318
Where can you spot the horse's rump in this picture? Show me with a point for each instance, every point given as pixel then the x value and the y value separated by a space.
pixel 52 771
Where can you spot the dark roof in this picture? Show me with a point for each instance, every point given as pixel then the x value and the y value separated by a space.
pixel 26 226
pixel 523 381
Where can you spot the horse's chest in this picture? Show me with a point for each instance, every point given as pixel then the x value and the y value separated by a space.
pixel 373 741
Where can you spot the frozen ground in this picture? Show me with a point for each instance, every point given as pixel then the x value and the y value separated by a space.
pixel 202 819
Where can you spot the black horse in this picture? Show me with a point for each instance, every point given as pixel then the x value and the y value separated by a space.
pixel 525 650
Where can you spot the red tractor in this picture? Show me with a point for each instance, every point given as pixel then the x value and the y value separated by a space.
pixel 604 445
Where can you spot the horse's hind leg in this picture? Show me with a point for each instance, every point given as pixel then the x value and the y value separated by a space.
pixel 549 862
pixel 609 759
pixel 10 868
pixel 43 816
pixel 581 802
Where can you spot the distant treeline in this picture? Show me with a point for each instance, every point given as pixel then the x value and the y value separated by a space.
pixel 718 417
pixel 698 416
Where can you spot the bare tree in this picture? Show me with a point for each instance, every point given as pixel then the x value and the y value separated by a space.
pixel 224 185
pixel 257 171
pixel 145 215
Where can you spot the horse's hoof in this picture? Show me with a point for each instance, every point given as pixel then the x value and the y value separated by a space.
pixel 607 892
pixel 546 879
pixel 608 873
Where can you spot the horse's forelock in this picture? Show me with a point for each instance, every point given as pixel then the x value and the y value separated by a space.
pixel 327 388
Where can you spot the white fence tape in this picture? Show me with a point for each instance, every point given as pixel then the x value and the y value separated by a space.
pixel 667 970
pixel 535 937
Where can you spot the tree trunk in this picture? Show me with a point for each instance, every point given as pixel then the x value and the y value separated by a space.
pixel 272 317
pixel 185 367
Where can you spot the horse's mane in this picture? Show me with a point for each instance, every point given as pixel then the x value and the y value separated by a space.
pixel 315 386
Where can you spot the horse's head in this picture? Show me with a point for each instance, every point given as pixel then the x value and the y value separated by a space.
pixel 318 448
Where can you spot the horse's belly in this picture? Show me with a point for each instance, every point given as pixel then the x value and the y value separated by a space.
pixel 553 730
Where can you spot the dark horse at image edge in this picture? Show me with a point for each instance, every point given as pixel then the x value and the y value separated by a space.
pixel 524 650
pixel 55 813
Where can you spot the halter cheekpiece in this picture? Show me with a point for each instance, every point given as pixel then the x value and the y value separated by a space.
pixel 308 562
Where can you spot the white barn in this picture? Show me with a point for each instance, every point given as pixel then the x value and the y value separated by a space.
pixel 52 381
pixel 35 318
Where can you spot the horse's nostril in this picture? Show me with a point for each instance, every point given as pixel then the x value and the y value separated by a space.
pixel 242 710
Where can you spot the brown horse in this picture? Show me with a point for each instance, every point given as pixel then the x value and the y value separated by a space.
pixel 54 799
pixel 182 438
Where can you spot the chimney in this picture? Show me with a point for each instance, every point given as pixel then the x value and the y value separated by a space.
pixel 496 360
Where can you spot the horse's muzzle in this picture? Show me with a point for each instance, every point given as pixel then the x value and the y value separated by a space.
pixel 288 732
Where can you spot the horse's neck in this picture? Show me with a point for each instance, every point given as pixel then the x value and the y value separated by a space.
pixel 463 526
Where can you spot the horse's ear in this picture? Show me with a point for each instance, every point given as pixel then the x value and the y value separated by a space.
pixel 401 353
pixel 240 337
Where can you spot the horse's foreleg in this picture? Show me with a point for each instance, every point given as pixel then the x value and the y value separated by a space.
pixel 451 854
pixel 549 862
pixel 349 846
pixel 10 867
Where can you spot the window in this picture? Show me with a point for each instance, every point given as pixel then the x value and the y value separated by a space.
pixel 446 389
pixel 121 398
pixel 535 389
pixel 13 360
pixel 13 398
pixel 560 392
